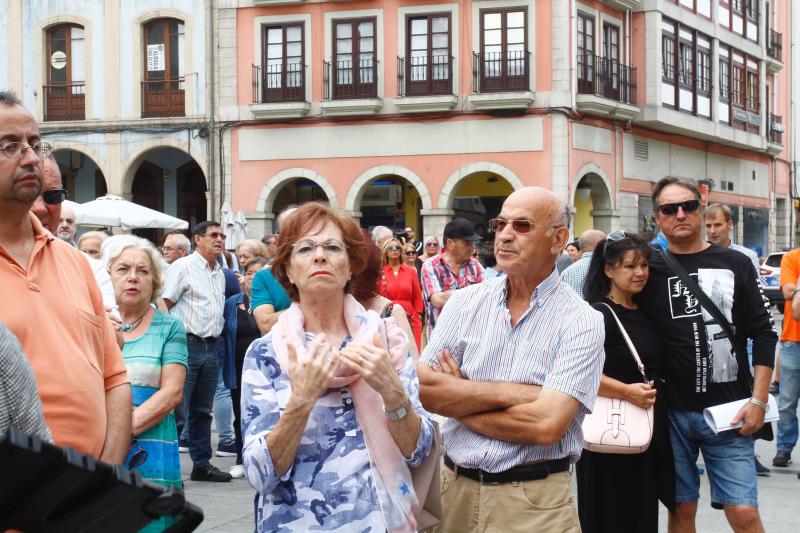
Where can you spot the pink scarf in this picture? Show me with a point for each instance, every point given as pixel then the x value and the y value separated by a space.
pixel 393 482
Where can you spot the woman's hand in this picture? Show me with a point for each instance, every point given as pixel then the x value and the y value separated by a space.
pixel 310 378
pixel 641 394
pixel 372 362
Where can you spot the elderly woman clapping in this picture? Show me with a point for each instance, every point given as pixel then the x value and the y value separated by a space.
pixel 332 419
pixel 155 356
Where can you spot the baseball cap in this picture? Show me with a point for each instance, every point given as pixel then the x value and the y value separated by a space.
pixel 460 228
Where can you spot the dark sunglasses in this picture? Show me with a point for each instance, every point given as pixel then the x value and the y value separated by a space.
pixel 689 206
pixel 393 248
pixel 431 244
pixel 138 458
pixel 519 226
pixel 411 254
pixel 216 234
pixel 54 196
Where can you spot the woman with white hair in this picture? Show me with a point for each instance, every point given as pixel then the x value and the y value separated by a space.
pixel 156 358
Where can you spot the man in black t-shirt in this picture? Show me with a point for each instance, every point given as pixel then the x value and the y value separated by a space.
pixel 702 368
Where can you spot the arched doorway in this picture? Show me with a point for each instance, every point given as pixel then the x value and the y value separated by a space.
pixel 80 176
pixel 390 201
pixel 592 205
pixel 170 181
pixel 296 192
pixel 479 198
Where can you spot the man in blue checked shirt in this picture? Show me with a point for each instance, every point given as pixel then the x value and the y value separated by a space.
pixel 515 363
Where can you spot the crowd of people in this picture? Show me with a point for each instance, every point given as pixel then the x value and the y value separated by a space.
pixel 307 349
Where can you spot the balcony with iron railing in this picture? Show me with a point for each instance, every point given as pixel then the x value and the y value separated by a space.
pixel 774 51
pixel 775 129
pixel 163 98
pixel 350 87
pixel 64 101
pixel 279 91
pixel 501 80
pixel 606 87
pixel 425 84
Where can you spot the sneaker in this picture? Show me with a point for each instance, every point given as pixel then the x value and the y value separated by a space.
pixel 782 459
pixel 761 470
pixel 775 388
pixel 226 450
pixel 236 471
pixel 209 473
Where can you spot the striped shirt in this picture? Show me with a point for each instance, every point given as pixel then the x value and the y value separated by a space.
pixel 575 274
pixel 557 344
pixel 437 277
pixel 198 293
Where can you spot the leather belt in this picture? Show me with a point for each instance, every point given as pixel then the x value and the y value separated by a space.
pixel 529 472
pixel 207 340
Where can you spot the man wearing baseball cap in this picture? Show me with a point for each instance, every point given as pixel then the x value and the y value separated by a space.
pixel 454 268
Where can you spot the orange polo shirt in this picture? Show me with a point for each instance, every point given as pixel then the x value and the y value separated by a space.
pixel 55 309
pixel 790 270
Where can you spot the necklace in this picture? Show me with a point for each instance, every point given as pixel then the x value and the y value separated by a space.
pixel 128 327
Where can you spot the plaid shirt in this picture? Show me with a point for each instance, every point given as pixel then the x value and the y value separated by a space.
pixel 437 277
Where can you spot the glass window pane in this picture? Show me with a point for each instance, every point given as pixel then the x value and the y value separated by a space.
pixel 274 35
pixel 366 29
pixel 419 26
pixel 419 42
pixel 365 44
pixel 77 58
pixel 294 49
pixel 492 52
pixel 155 33
pixel 344 30
pixel 344 46
pixel 59 33
pixel 344 59
pixel 491 20
pixel 293 33
pixel 440 40
pixel 274 51
pixel 515 36
pixel 491 37
pixel 440 24
pixel 440 55
pixel 515 19
pixel 77 32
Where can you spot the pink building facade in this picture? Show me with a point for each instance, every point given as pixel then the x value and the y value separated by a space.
pixel 411 112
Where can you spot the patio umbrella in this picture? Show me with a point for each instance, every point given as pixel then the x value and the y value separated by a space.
pixel 72 205
pixel 239 231
pixel 228 222
pixel 110 210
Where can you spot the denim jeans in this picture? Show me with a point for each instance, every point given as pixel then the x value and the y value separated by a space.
pixel 790 391
pixel 223 413
pixel 198 399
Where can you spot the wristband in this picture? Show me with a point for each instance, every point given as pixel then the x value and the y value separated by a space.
pixel 759 403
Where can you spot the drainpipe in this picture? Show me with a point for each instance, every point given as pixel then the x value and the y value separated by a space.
pixel 212 180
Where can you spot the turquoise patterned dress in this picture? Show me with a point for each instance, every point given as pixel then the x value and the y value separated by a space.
pixel 154 453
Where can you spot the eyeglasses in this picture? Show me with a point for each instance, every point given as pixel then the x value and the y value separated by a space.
pixel 14 150
pixel 216 234
pixel 615 236
pixel 54 196
pixel 332 248
pixel 689 206
pixel 411 254
pixel 392 248
pixel 431 244
pixel 518 225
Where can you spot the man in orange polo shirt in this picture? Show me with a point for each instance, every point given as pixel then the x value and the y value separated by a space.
pixel 51 302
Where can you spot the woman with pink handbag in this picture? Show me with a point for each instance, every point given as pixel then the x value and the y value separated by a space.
pixel 620 487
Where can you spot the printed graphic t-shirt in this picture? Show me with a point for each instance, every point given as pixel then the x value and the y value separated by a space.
pixel 701 365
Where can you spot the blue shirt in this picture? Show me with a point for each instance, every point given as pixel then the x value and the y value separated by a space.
pixel 267 290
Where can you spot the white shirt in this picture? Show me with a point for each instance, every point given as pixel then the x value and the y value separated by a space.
pixel 103 279
pixel 197 291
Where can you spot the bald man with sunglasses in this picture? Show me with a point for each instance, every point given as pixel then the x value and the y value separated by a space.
pixel 703 369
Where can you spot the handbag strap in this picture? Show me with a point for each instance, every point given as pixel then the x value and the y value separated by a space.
pixel 628 341
pixel 712 309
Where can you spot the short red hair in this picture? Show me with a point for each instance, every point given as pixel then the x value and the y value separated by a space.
pixel 312 215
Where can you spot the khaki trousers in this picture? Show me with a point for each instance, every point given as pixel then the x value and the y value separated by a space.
pixel 543 505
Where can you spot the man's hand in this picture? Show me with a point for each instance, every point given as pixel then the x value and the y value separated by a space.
pixel 447 365
pixel 753 417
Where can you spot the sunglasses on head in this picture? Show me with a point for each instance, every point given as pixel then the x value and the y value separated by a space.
pixel 54 196
pixel 689 206
pixel 615 236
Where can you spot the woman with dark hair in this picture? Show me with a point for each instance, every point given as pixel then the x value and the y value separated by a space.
pixel 620 493
pixel 332 420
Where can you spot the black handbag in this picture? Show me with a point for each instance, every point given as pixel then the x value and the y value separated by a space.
pixel 765 433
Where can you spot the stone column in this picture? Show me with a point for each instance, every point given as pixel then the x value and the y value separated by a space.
pixel 606 220
pixel 434 221
pixel 259 224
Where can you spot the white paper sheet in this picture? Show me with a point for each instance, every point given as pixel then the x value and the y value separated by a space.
pixel 719 417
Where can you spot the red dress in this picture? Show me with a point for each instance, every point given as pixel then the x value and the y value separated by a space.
pixel 403 289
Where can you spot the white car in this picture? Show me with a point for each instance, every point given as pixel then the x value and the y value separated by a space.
pixel 771 272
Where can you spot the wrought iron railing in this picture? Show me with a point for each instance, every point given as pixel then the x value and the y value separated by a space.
pixel 501 72
pixel 64 101
pixel 344 80
pixel 775 45
pixel 424 76
pixel 607 78
pixel 278 83
pixel 775 129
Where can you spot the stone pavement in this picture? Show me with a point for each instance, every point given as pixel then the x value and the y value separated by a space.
pixel 228 507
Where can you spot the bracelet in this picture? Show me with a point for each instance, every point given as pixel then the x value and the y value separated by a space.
pixel 759 403
pixel 795 292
